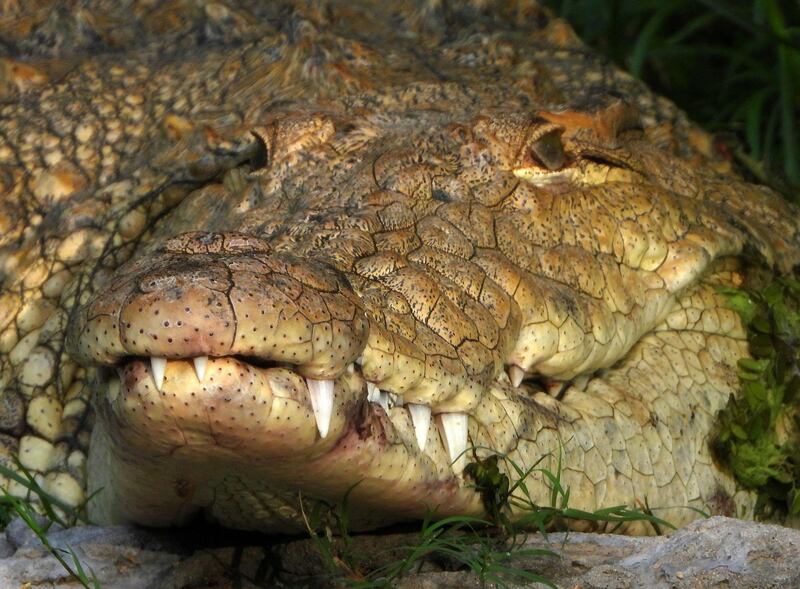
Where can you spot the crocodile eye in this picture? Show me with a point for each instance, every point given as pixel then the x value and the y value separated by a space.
pixel 548 151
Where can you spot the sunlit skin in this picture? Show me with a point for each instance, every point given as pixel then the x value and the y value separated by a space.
pixel 340 250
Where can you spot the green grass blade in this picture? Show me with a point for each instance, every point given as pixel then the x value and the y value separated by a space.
pixel 693 26
pixel 789 103
pixel 646 38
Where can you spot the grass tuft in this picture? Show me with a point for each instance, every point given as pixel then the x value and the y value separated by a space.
pixel 54 512
pixel 493 548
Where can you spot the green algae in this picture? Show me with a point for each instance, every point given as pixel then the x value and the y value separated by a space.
pixel 758 434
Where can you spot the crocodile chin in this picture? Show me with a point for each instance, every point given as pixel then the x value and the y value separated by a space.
pixel 267 437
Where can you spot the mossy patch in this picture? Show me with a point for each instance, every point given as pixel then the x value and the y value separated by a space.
pixel 758 435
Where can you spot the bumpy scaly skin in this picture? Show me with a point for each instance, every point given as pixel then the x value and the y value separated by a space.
pixel 429 201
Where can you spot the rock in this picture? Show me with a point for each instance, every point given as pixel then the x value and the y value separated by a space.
pixel 18 533
pixel 6 548
pixel 720 552
pixel 713 553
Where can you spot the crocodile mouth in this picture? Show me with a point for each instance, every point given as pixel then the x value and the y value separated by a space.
pixel 235 397
pixel 204 422
pixel 249 394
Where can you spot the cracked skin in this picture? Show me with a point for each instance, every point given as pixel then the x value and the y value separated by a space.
pixel 257 250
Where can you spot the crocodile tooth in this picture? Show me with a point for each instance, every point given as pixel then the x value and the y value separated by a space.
pixel 321 394
pixel 158 367
pixel 351 368
pixel 383 400
pixel 373 392
pixel 455 433
pixel 200 364
pixel 516 375
pixel 421 418
pixel 359 360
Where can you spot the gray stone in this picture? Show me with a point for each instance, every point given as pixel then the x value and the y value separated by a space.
pixel 714 553
pixel 6 548
pixel 18 533
pixel 721 552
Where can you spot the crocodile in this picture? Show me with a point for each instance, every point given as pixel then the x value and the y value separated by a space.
pixel 256 256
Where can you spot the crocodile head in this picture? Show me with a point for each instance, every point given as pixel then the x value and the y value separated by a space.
pixel 388 298
pixel 335 254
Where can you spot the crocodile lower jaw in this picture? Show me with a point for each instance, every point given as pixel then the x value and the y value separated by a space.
pixel 244 422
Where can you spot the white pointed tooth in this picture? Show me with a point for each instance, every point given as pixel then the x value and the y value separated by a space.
pixel 383 400
pixel 158 366
pixel 351 368
pixel 321 394
pixel 375 395
pixel 421 418
pixel 455 433
pixel 373 392
pixel 516 375
pixel 359 360
pixel 200 364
